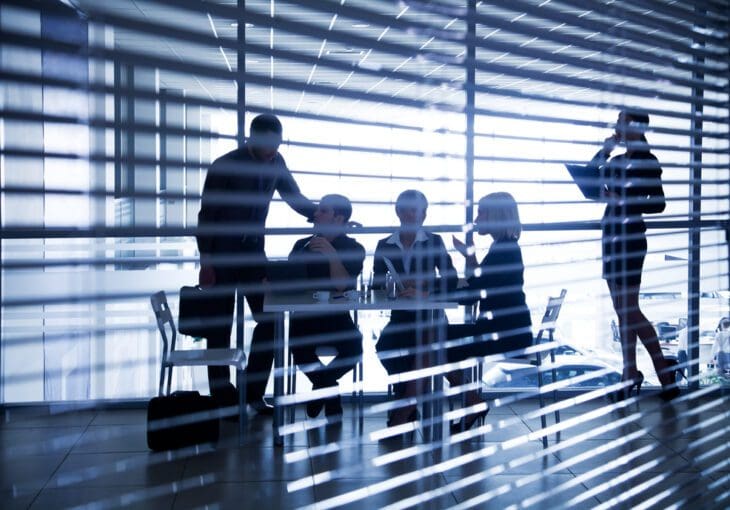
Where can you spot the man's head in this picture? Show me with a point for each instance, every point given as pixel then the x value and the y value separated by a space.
pixel 265 136
pixel 332 214
pixel 410 207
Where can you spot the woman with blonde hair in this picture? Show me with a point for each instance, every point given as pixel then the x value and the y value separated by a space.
pixel 503 322
pixel 495 283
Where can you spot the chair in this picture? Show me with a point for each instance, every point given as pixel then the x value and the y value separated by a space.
pixel 615 332
pixel 547 326
pixel 357 375
pixel 196 357
pixel 549 319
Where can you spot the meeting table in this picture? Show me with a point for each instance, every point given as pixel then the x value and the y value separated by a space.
pixel 284 304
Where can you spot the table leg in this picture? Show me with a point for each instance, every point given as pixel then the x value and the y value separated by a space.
pixel 438 380
pixel 240 374
pixel 426 383
pixel 278 420
pixel 239 318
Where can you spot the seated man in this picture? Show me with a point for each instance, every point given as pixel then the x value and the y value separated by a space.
pixel 329 260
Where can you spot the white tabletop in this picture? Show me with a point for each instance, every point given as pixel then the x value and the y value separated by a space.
pixel 376 300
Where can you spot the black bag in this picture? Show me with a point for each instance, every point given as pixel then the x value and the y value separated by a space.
pixel 184 418
pixel 199 312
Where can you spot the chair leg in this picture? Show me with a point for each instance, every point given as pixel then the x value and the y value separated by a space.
pixel 242 414
pixel 543 420
pixel 162 380
pixel 480 377
pixel 354 381
pixel 169 379
pixel 465 380
pixel 390 398
pixel 360 391
pixel 292 385
pixel 555 391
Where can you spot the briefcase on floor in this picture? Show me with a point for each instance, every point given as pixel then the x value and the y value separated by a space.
pixel 184 418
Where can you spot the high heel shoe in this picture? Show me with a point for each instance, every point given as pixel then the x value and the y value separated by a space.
pixel 671 390
pixel 412 416
pixel 678 372
pixel 625 392
pixel 469 421
pixel 408 435
pixel 637 382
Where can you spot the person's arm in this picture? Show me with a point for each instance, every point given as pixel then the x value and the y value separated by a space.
pixel 297 266
pixel 379 267
pixel 353 260
pixel 469 254
pixel 499 275
pixel 601 157
pixel 476 275
pixel 599 163
pixel 216 183
pixel 296 256
pixel 651 190
pixel 290 193
pixel 448 276
pixel 341 279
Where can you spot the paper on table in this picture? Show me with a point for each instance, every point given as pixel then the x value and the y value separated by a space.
pixel 395 274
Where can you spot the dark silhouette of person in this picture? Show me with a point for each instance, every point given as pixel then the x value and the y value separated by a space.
pixel 416 256
pixel 238 189
pixel 328 260
pixel 503 322
pixel 631 186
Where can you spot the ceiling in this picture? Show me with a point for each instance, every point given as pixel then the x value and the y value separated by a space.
pixel 381 37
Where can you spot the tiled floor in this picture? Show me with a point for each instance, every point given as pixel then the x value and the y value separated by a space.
pixel 639 454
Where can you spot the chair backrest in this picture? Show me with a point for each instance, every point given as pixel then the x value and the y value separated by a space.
pixel 552 311
pixel 615 331
pixel 163 315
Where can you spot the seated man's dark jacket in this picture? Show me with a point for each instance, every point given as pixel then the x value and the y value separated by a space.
pixel 314 270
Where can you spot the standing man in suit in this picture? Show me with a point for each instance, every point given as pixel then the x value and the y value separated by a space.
pixel 238 189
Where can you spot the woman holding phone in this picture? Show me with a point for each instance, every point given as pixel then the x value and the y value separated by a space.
pixel 631 186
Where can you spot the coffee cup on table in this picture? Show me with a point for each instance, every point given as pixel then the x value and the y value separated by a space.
pixel 351 295
pixel 321 295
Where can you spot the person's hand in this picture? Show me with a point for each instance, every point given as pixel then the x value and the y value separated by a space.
pixel 412 292
pixel 266 287
pixel 610 143
pixel 461 247
pixel 206 276
pixel 322 245
pixel 610 196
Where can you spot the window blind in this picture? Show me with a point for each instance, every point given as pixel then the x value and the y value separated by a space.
pixel 113 112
